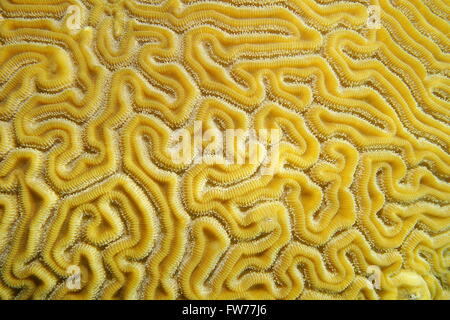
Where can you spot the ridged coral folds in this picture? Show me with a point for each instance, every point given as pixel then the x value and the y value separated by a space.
pixel 362 181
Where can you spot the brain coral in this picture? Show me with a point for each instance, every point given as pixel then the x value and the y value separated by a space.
pixel 91 92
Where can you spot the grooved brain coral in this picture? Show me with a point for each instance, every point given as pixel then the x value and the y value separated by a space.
pixel 92 91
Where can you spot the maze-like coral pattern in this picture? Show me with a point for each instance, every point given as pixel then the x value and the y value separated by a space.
pixel 86 178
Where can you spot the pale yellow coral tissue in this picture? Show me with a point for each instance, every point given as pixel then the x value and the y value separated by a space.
pixel 91 92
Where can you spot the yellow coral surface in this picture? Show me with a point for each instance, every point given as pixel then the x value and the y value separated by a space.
pixel 362 182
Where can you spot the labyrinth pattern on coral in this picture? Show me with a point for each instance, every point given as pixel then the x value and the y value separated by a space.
pixel 86 178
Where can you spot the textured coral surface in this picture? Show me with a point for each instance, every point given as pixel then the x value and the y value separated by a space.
pixel 86 179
